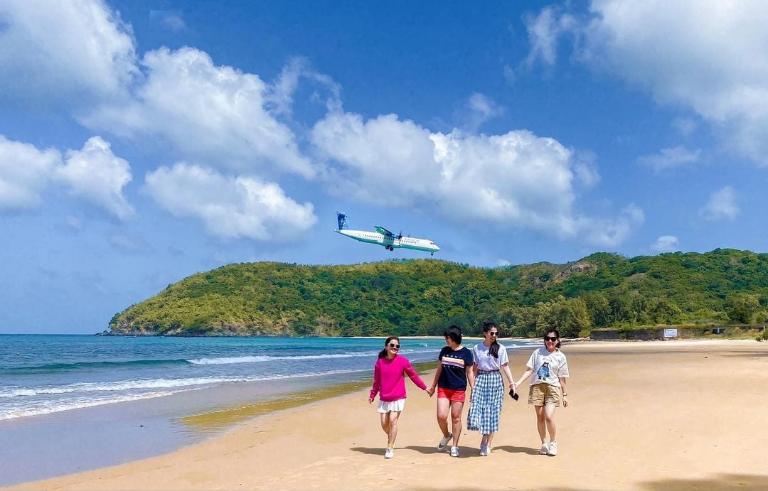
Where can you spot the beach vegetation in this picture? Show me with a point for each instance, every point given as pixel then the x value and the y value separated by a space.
pixel 421 297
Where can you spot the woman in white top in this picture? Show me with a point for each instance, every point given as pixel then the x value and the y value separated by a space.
pixel 488 396
pixel 549 368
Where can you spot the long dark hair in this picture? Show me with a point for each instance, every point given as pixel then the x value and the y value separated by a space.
pixel 383 353
pixel 494 349
pixel 453 332
pixel 554 331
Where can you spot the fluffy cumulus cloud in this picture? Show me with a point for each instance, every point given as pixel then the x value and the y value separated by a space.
pixel 666 243
pixel 515 179
pixel 68 50
pixel 95 174
pixel 211 114
pixel 230 207
pixel 670 158
pixel 25 172
pixel 721 205
pixel 705 55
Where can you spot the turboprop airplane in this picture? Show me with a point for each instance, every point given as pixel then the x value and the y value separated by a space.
pixel 385 238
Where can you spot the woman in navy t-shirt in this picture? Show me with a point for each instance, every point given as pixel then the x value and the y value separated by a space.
pixel 454 370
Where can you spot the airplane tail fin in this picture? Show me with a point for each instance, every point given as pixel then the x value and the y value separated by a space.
pixel 342 219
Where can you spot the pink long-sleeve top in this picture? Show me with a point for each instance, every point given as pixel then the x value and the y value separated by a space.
pixel 388 379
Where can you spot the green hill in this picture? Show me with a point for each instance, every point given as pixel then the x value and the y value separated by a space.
pixel 423 296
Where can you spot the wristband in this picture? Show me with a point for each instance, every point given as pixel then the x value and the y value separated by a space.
pixel 564 394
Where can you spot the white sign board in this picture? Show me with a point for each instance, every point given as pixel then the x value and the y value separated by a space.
pixel 670 333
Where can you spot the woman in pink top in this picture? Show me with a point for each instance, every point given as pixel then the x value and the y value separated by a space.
pixel 389 383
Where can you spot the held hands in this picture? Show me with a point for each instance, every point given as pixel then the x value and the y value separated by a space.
pixel 430 391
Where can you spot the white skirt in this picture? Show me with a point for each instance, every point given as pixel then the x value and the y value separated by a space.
pixel 387 406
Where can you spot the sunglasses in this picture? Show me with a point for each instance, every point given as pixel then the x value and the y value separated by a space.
pixel 493 333
pixel 393 345
pixel 550 338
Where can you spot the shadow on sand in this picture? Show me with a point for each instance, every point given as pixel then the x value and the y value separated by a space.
pixel 511 449
pixel 463 451
pixel 717 482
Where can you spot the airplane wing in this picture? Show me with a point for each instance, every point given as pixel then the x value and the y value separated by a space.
pixel 383 231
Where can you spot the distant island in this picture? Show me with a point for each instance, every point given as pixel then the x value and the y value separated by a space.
pixel 421 297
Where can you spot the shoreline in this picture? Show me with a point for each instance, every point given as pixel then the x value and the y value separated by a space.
pixel 266 439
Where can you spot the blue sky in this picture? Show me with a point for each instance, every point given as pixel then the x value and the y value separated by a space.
pixel 141 142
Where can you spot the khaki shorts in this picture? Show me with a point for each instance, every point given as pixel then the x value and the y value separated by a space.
pixel 543 394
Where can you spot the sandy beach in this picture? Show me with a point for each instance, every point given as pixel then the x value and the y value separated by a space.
pixel 647 416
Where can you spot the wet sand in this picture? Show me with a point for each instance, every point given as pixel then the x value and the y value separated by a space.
pixel 648 416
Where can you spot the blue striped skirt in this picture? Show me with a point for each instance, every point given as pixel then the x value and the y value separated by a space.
pixel 487 400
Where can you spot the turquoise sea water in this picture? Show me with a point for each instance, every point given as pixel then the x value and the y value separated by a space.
pixel 72 402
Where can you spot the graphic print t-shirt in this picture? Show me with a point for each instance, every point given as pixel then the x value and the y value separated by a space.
pixel 547 367
pixel 453 362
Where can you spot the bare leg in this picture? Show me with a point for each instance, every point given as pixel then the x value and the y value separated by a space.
pixel 385 422
pixel 489 439
pixel 540 424
pixel 393 418
pixel 456 408
pixel 549 418
pixel 443 408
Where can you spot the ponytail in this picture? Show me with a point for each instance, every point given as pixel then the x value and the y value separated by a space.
pixel 494 349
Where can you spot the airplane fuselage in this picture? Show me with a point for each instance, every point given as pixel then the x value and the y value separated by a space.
pixel 391 242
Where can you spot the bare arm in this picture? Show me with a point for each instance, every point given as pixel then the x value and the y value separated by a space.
pixel 527 373
pixel 565 391
pixel 471 375
pixel 508 373
pixel 439 370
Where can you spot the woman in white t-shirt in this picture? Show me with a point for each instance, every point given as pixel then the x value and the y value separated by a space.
pixel 488 397
pixel 549 368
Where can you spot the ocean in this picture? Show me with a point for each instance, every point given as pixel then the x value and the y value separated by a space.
pixel 63 396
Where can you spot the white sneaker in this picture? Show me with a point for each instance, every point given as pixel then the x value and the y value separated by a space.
pixel 454 451
pixel 444 442
pixel 389 453
pixel 544 450
pixel 483 451
pixel 552 449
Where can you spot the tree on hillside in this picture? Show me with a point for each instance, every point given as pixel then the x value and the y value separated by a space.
pixel 741 307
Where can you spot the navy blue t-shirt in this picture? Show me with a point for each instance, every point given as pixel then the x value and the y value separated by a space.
pixel 453 375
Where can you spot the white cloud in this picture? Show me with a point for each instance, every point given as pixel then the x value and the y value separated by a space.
pixel 95 174
pixel 666 243
pixel 211 114
pixel 609 232
pixel 279 95
pixel 670 158
pixel 478 109
pixel 230 207
pixel 585 168
pixel 544 33
pixel 705 55
pixel 24 173
pixel 721 205
pixel 172 20
pixel 512 180
pixel 63 50
pixel 685 126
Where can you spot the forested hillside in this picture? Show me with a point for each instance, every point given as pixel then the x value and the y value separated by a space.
pixel 423 296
